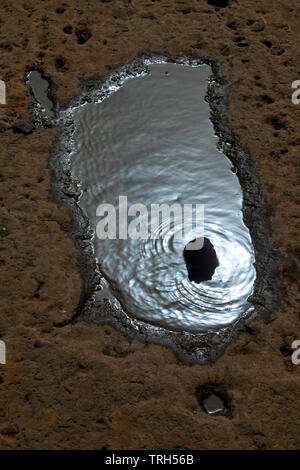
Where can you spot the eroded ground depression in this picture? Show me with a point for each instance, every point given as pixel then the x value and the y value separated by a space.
pixel 155 134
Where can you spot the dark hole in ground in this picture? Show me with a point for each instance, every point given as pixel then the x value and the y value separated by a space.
pixel 276 123
pixel 60 64
pixel 268 44
pixel 214 400
pixel 68 29
pixel 218 3
pixel 23 126
pixel 83 36
pixel 267 99
pixel 200 262
pixel 238 39
pixel 286 350
pixel 232 25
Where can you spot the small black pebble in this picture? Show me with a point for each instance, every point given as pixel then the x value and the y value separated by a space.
pixel 200 262
pixel 214 400
pixel 213 404
pixel 23 126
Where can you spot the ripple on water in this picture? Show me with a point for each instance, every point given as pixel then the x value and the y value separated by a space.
pixel 152 140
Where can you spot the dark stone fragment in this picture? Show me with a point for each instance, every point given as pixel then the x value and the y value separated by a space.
pixel 214 400
pixel 201 262
pixel 23 126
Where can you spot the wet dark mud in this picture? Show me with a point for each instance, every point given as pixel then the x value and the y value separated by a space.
pixel 190 347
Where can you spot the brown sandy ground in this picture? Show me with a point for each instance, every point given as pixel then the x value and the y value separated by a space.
pixel 84 386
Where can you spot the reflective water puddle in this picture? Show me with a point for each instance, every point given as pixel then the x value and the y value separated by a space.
pixel 152 141
pixel 39 87
pixel 155 133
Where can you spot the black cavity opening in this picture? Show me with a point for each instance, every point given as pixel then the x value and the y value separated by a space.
pixel 200 259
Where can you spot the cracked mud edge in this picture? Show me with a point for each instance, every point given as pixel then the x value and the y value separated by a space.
pixel 268 287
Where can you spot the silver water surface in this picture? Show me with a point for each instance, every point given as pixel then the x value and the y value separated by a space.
pixel 39 87
pixel 152 140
